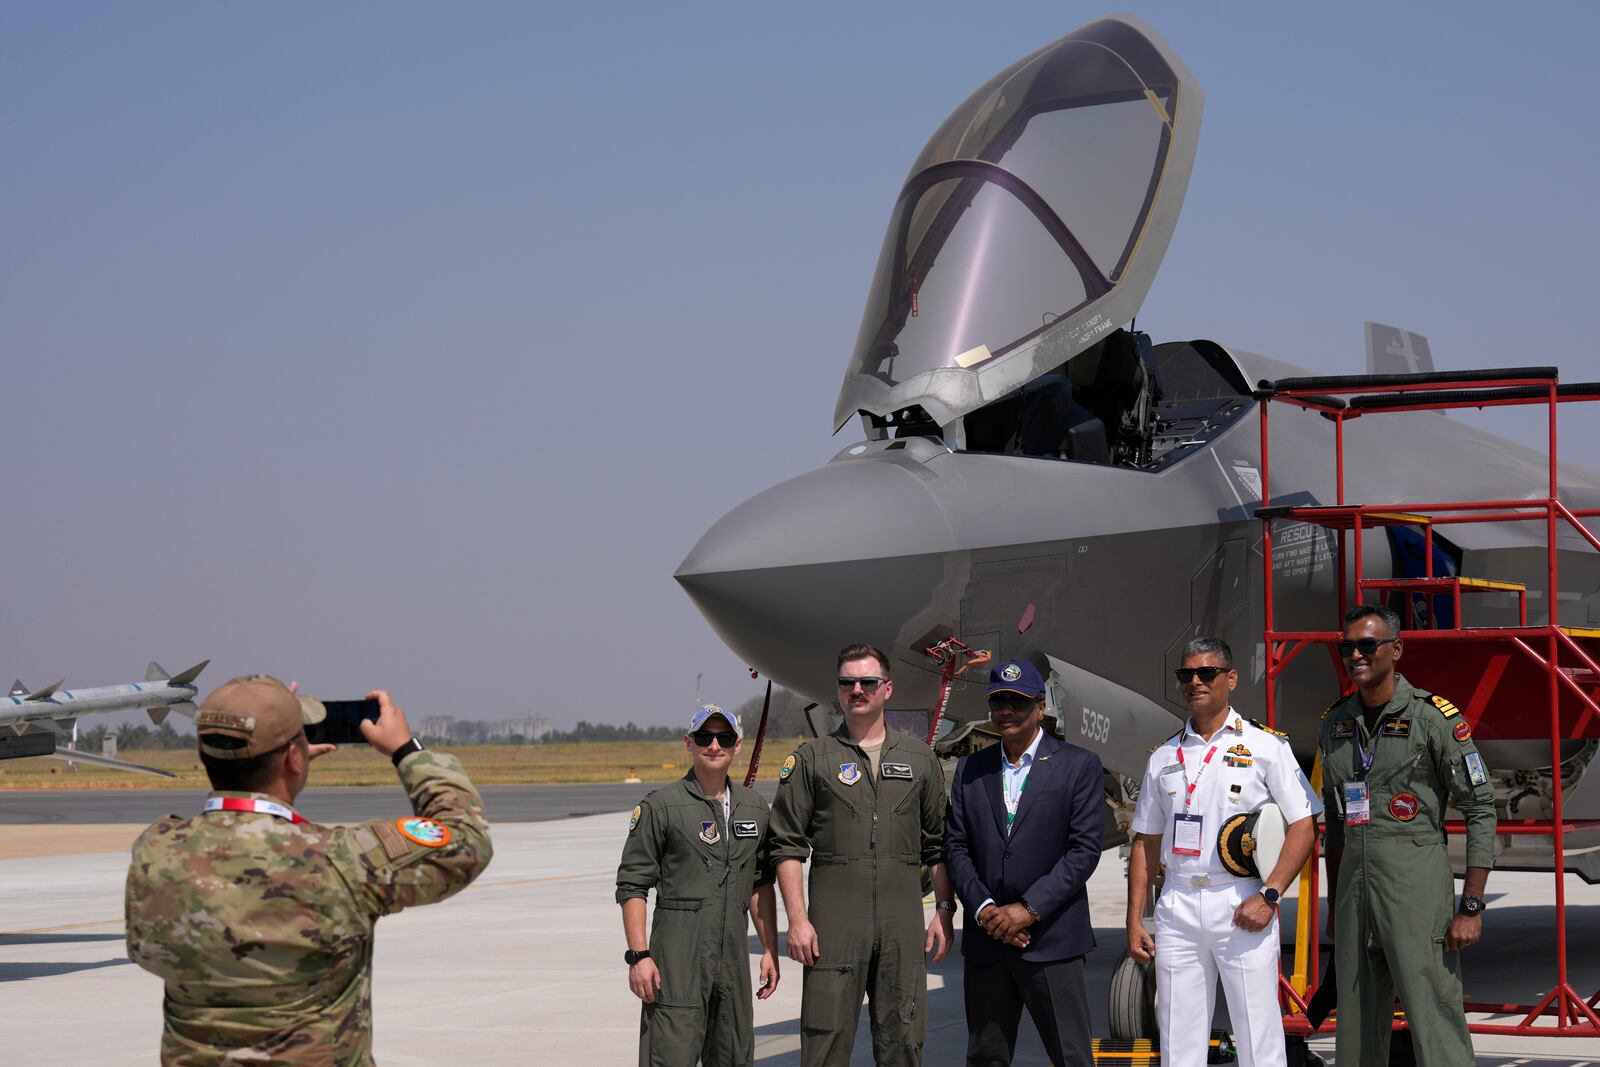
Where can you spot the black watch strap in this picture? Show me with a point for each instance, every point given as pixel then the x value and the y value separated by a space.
pixel 1472 905
pixel 631 956
pixel 405 750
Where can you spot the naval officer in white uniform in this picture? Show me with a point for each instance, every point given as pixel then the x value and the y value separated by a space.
pixel 1208 921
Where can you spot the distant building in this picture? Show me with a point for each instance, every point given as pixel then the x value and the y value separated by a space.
pixel 438 727
pixel 530 729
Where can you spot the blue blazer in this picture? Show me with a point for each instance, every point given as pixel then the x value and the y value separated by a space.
pixel 1052 850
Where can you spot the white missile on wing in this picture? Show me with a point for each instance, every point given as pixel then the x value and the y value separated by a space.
pixel 53 709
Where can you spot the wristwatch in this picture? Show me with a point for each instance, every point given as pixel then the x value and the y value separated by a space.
pixel 1270 895
pixel 405 750
pixel 945 905
pixel 1472 905
pixel 634 957
pixel 1028 906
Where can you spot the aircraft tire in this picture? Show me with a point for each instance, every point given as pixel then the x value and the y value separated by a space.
pixel 1132 1008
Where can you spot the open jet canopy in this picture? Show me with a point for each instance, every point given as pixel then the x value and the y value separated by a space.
pixel 1030 227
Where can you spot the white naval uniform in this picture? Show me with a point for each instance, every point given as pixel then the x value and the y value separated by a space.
pixel 1196 941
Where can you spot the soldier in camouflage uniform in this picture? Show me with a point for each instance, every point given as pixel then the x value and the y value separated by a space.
pixel 867 805
pixel 261 923
pixel 701 844
pixel 1393 757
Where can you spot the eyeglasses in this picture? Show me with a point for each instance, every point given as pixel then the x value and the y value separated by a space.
pixel 1367 646
pixel 1000 702
pixel 725 738
pixel 1185 675
pixel 868 683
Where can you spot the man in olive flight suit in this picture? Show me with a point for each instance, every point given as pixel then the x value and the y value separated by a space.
pixel 867 805
pixel 701 844
pixel 1393 756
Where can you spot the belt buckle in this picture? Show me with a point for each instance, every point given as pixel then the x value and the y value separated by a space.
pixel 1199 881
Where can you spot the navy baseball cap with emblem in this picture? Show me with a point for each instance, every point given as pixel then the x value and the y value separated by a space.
pixel 1016 676
pixel 709 711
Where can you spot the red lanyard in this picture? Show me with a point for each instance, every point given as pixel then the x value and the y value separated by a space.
pixel 264 807
pixel 1188 785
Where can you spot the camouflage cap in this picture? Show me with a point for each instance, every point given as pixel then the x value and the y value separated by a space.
pixel 252 715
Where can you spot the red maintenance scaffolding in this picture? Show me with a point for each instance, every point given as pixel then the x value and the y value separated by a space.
pixel 1522 682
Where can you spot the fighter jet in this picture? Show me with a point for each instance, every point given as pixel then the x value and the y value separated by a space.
pixel 1039 479
pixel 34 723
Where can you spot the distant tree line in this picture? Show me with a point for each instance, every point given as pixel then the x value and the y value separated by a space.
pixel 134 735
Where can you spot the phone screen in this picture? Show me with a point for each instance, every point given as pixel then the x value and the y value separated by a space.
pixel 343 723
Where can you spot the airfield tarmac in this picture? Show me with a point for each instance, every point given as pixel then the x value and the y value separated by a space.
pixel 524 966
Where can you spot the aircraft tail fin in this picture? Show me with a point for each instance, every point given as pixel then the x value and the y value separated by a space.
pixel 1391 350
pixel 154 673
pixel 188 676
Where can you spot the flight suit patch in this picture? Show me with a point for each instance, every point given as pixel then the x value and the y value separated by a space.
pixel 1405 806
pixel 897 770
pixel 633 820
pixel 1449 709
pixel 709 832
pixel 788 768
pixel 1463 731
pixel 1343 728
pixel 1475 769
pixel 1238 756
pixel 1397 728
pixel 744 828
pixel 849 773
pixel 424 832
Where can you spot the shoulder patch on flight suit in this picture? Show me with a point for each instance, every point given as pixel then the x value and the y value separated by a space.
pixel 1449 709
pixel 1475 769
pixel 1263 726
pixel 1397 728
pixel 425 832
pixel 1463 731
pixel 1342 728
pixel 896 770
pixel 633 820
pixel 788 768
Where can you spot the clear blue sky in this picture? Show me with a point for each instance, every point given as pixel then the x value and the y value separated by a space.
pixel 415 344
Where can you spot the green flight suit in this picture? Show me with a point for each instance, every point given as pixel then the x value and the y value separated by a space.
pixel 867 837
pixel 1396 893
pixel 703 868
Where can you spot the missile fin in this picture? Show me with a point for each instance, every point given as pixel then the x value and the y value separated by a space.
pixel 157 715
pixel 187 677
pixel 154 673
pixel 41 694
pixel 18 689
pixel 184 708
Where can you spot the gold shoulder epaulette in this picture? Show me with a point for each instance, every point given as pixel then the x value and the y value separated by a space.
pixel 1263 726
pixel 1329 708
pixel 1446 708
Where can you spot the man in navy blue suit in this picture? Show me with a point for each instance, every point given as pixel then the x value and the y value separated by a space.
pixel 1023 837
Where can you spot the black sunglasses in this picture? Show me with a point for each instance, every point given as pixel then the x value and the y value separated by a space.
pixel 725 738
pixel 1016 702
pixel 1185 675
pixel 868 684
pixel 1367 646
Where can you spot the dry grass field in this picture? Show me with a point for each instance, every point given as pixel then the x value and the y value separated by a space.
pixel 598 761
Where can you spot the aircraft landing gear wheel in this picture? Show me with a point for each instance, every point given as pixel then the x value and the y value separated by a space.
pixel 1132 1009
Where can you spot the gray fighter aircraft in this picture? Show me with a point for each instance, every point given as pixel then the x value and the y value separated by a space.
pixel 1039 479
pixel 39 722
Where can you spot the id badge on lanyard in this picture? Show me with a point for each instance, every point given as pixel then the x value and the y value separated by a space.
pixel 1187 829
pixel 1357 804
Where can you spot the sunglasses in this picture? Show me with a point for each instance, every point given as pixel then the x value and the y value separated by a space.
pixel 1185 675
pixel 1367 646
pixel 1015 703
pixel 868 684
pixel 725 738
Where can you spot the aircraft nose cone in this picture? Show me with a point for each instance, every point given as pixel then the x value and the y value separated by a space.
pixel 853 551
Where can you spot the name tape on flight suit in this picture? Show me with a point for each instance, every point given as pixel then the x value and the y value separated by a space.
pixel 897 770
pixel 744 828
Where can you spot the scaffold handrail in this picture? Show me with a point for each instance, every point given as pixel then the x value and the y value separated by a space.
pixel 1356 383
